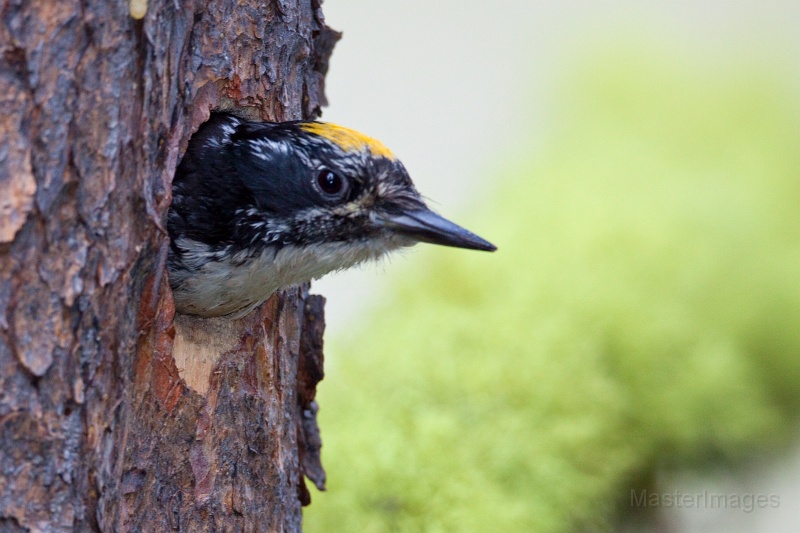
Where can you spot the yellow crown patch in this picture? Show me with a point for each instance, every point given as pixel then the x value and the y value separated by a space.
pixel 347 139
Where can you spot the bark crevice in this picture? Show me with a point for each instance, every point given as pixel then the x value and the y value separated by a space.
pixel 98 428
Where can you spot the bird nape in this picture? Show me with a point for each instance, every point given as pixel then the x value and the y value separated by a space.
pixel 257 207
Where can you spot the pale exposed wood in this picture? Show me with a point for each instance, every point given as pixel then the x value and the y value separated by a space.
pixel 101 428
pixel 199 344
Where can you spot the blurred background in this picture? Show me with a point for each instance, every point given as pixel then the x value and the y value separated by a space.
pixel 629 360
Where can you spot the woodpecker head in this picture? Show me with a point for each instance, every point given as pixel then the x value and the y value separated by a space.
pixel 261 206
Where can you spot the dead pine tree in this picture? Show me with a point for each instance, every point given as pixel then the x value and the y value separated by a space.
pixel 114 415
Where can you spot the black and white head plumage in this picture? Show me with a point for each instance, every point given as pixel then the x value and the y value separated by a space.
pixel 262 206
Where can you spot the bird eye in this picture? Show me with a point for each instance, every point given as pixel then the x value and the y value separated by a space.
pixel 330 183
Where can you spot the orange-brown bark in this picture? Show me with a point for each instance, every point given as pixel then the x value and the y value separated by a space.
pixel 102 427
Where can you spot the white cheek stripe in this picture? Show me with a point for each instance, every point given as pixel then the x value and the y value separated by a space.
pixel 221 287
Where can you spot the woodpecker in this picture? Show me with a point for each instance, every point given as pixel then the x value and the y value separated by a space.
pixel 257 207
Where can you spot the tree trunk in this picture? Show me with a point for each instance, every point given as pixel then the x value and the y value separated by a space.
pixel 113 418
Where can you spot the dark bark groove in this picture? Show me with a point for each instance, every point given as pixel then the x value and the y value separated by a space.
pixel 99 429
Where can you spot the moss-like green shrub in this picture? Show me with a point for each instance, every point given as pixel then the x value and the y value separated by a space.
pixel 643 309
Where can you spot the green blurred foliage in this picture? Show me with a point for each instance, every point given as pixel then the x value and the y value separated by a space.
pixel 642 310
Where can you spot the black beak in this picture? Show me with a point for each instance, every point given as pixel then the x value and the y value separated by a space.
pixel 426 226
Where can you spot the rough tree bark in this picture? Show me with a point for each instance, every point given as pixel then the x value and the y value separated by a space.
pixel 102 426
